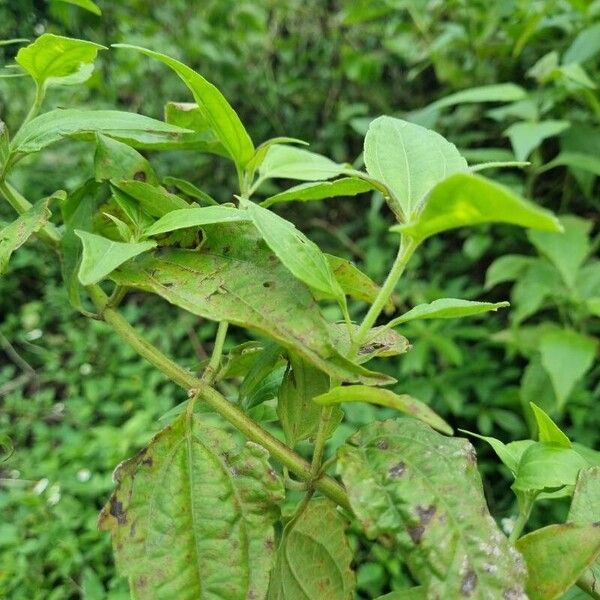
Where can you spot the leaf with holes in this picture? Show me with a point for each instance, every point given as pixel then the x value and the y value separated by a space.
pixel 57 60
pixel 422 489
pixel 217 112
pixel 115 160
pixel 234 277
pixel 192 515
pixel 313 558
pixel 380 342
pixel 402 402
pixel 300 255
pixel 556 556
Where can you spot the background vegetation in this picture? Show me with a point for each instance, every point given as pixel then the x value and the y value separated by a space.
pixel 75 403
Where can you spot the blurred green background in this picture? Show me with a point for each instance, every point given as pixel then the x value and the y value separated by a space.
pixel 75 402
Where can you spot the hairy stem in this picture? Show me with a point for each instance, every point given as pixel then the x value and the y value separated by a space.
pixel 251 430
pixel 407 247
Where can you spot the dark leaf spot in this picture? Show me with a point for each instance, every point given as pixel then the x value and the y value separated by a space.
pixel 416 533
pixel 469 583
pixel 140 176
pixel 116 510
pixel 397 470
pixel 426 513
pixel 148 461
pixel 382 445
pixel 266 284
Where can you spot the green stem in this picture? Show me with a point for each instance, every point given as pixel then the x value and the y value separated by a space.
pixel 251 430
pixel 407 247
pixel 215 359
pixel 37 104
pixel 525 507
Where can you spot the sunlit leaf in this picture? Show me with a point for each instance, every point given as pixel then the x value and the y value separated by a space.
pixel 409 159
pixel 57 60
pixel 319 190
pixel 463 200
pixel 194 217
pixel 548 430
pixel 219 114
pixel 421 489
pixel 446 308
pixel 288 162
pixel 314 544
pixel 556 556
pixel 401 402
pixel 101 256
pixel 54 125
pixel 193 514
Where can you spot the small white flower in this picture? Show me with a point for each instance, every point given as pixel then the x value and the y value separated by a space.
pixel 53 494
pixel 85 369
pixel 34 334
pixel 40 486
pixel 84 475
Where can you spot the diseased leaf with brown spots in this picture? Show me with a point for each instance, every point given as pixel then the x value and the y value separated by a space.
pixel 313 558
pixel 192 516
pixel 14 235
pixel 234 277
pixel 380 342
pixel 407 483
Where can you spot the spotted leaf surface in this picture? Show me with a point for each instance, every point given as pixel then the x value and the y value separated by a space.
pixel 421 489
pixel 192 516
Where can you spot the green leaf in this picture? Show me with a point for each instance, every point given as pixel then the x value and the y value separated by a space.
pixel 556 556
pixel 319 190
pixel 50 127
pixel 14 235
pixel 153 200
pixel 353 281
pixel 510 454
pixel 547 466
pixel 464 200
pixel 219 114
pixel 566 356
pixel 525 136
pixel 264 362
pixel 575 161
pixel 6 447
pixel 421 489
pixel 298 414
pixel 4 145
pixel 115 160
pixel 287 162
pixel 548 430
pixel 101 256
pixel 78 213
pixel 57 60
pixel 300 255
pixel 585 509
pixel 189 189
pixel 192 515
pixel 585 46
pixel 235 278
pixel 506 268
pixel 313 558
pixel 194 217
pixel 399 154
pixel 446 308
pixel 402 402
pixel 381 341
pixel 261 152
pixel 190 116
pixel 415 593
pixel 568 250
pixel 85 4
